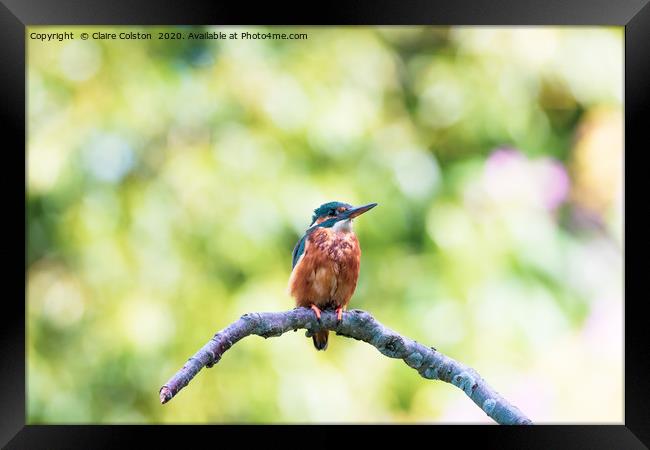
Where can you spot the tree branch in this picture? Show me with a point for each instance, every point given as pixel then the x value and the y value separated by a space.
pixel 359 325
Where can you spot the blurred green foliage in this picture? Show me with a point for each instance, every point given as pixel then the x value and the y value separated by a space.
pixel 168 181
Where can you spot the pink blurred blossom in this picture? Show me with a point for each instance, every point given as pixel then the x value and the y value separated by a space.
pixel 510 174
pixel 555 182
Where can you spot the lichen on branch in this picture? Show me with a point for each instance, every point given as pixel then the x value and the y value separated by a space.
pixel 360 325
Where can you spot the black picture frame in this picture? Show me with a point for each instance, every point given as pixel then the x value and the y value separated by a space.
pixel 15 15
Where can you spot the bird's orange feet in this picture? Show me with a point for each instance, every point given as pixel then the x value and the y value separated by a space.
pixel 316 311
pixel 339 315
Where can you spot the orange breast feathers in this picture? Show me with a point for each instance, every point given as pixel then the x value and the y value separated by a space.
pixel 327 272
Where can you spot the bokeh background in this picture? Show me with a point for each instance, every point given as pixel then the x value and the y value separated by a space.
pixel 168 180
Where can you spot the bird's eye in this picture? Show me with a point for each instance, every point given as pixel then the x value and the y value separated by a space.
pixel 332 212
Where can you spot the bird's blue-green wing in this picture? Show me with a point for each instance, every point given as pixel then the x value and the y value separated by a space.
pixel 298 250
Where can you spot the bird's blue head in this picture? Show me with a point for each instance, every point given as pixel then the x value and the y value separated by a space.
pixel 328 214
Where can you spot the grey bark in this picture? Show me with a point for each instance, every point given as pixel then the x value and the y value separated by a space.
pixel 360 325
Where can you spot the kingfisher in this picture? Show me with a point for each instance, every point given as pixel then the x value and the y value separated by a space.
pixel 326 262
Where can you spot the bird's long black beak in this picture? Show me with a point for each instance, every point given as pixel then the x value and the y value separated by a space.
pixel 354 212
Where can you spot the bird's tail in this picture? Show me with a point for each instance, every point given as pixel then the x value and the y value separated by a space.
pixel 320 339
